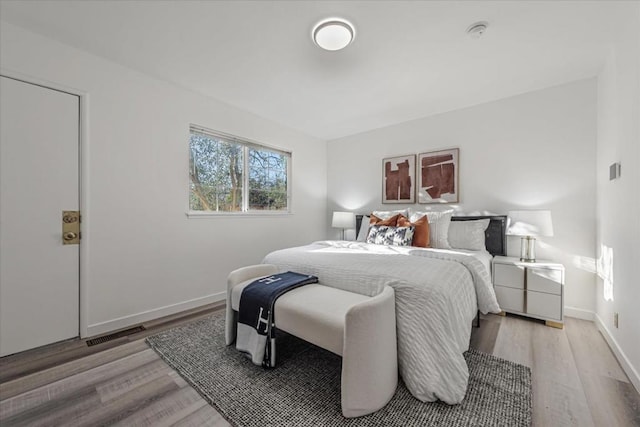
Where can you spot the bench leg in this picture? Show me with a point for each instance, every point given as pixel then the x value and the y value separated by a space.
pixel 369 357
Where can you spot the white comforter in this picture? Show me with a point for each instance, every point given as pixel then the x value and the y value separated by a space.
pixel 437 295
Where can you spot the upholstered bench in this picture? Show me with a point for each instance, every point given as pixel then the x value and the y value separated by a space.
pixel 359 328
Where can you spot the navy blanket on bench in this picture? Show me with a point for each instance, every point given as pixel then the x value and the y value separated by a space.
pixel 256 323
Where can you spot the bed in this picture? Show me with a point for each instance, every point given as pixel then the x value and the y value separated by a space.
pixel 438 293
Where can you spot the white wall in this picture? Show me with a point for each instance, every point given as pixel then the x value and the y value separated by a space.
pixel 530 151
pixel 618 204
pixel 142 257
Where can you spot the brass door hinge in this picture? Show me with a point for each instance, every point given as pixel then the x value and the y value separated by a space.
pixel 70 227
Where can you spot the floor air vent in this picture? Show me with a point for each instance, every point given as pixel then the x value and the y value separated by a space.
pixel 115 335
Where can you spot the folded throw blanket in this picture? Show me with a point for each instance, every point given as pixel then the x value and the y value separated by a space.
pixel 256 323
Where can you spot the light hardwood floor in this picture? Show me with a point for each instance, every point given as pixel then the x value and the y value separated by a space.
pixel 576 379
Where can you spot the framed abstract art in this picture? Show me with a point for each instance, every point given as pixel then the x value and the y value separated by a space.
pixel 438 173
pixel 398 179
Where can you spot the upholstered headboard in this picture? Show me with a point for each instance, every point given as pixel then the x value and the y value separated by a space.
pixel 495 235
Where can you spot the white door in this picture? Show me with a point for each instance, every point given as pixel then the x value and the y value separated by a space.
pixel 39 178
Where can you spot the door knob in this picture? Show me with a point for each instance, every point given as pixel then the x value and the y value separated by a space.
pixel 69 235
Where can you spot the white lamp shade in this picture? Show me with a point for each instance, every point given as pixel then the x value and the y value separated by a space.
pixel 530 223
pixel 343 220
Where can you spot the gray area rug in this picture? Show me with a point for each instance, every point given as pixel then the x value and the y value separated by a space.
pixel 304 389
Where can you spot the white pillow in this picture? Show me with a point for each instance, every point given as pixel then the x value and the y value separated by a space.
pixel 468 234
pixel 438 227
pixel 389 214
pixel 364 229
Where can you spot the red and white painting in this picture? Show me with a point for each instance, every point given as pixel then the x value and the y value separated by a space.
pixel 438 176
pixel 398 179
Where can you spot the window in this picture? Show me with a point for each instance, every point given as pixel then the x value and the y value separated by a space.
pixel 229 174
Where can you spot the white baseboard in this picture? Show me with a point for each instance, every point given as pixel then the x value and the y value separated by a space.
pixel 628 368
pixel 134 319
pixel 579 313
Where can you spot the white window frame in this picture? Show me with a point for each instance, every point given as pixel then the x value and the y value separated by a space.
pixel 246 145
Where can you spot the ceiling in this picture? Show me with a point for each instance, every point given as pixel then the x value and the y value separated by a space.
pixel 410 59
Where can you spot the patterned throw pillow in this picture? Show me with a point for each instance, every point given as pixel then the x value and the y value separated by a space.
pixel 374 220
pixel 390 236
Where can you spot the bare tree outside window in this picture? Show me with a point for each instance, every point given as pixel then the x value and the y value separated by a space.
pixel 267 180
pixel 221 168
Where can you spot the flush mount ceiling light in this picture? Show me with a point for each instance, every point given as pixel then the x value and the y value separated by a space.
pixel 333 34
pixel 477 29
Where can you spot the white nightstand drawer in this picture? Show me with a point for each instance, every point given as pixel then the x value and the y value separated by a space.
pixel 510 299
pixel 511 276
pixel 544 280
pixel 544 305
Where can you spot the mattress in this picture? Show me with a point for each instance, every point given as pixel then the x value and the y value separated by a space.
pixel 438 293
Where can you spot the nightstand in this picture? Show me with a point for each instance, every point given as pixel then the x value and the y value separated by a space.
pixel 533 289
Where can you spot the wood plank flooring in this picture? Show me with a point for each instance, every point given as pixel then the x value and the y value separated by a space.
pixel 575 377
pixel 21 364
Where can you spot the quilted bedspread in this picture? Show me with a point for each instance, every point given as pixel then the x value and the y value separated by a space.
pixel 437 295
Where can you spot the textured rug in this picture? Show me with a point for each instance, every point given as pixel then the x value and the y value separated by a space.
pixel 304 389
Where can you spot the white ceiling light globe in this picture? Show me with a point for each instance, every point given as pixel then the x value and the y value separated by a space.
pixel 333 34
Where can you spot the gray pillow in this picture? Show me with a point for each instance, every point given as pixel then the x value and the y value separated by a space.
pixel 468 234
pixel 364 229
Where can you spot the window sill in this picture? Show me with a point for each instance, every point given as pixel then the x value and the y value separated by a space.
pixel 212 214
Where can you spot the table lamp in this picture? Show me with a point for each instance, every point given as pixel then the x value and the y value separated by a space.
pixel 343 220
pixel 529 224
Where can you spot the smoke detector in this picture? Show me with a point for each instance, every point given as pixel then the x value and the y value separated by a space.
pixel 476 30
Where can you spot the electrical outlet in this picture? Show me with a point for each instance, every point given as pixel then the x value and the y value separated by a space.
pixel 615 319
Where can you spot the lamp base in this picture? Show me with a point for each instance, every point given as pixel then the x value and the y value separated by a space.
pixel 528 249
